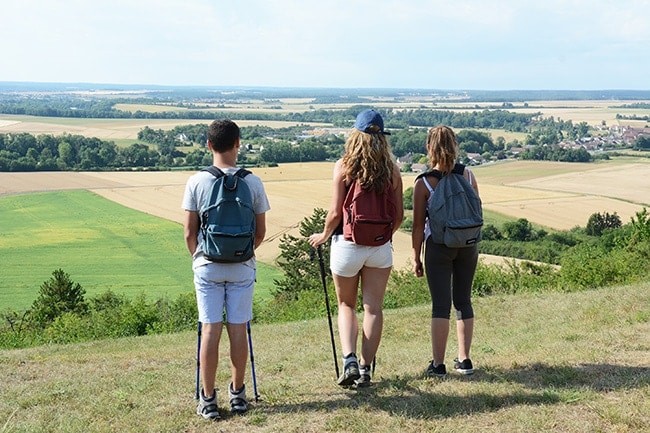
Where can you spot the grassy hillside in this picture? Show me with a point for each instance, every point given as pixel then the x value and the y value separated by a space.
pixel 576 362
pixel 101 244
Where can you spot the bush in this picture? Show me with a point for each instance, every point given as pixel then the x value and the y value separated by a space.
pixel 520 230
pixel 68 328
pixel 546 250
pixel 491 233
pixel 404 290
pixel 598 223
pixel 57 296
pixel 175 316
pixel 513 277
pixel 589 266
pixel 307 304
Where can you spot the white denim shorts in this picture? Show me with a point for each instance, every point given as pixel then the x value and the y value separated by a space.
pixel 347 258
pixel 224 287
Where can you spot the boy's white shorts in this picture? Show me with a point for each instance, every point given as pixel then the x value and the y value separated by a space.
pixel 224 287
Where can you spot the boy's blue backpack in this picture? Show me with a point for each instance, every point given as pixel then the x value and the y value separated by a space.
pixel 455 212
pixel 228 218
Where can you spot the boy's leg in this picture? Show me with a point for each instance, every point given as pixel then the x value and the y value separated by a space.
pixel 238 357
pixel 239 311
pixel 238 352
pixel 210 336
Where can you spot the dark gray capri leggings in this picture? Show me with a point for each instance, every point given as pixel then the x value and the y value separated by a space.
pixel 445 267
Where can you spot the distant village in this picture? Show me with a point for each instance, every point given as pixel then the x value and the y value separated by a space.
pixel 607 138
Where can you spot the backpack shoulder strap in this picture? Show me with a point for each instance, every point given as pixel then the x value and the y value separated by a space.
pixel 242 172
pixel 459 169
pixel 214 171
pixel 434 173
pixel 428 185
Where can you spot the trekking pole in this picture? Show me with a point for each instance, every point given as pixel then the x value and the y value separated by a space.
pixel 250 348
pixel 198 358
pixel 327 304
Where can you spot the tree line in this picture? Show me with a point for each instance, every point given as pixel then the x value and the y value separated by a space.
pixel 59 106
pixel 184 145
pixel 26 152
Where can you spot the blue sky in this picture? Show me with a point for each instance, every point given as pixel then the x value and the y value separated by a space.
pixel 434 44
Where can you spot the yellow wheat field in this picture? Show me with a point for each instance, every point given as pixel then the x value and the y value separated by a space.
pixel 106 129
pixel 555 195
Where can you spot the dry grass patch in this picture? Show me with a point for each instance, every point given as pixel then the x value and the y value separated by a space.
pixel 554 362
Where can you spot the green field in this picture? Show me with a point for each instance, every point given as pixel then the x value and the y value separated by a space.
pixel 100 244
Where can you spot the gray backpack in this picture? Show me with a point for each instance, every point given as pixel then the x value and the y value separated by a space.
pixel 455 212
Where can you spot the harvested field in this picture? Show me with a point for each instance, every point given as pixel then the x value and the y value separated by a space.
pixel 568 194
pixel 630 182
pixel 106 129
pixel 554 195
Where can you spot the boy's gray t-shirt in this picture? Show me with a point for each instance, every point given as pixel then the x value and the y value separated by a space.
pixel 199 187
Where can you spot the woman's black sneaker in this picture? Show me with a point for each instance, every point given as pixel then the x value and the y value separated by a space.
pixel 436 370
pixel 464 367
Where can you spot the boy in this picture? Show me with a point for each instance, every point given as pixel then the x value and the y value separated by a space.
pixel 222 286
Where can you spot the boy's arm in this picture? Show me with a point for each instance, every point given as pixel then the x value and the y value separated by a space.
pixel 260 228
pixel 191 225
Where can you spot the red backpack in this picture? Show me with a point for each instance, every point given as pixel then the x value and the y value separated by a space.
pixel 368 216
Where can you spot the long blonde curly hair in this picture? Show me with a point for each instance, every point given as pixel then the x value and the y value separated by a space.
pixel 442 148
pixel 367 159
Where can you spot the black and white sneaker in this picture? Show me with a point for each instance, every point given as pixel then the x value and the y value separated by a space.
pixel 464 367
pixel 436 370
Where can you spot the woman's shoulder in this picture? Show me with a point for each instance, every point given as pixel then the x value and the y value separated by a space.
pixel 339 166
pixel 434 173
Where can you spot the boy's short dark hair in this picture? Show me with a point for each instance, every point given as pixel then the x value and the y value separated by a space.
pixel 223 135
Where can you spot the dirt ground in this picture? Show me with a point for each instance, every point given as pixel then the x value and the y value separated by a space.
pixel 560 201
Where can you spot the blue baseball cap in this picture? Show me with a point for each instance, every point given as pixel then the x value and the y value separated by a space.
pixel 371 122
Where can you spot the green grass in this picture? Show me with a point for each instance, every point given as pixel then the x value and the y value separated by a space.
pixel 100 244
pixel 573 362
pixel 496 219
pixel 126 142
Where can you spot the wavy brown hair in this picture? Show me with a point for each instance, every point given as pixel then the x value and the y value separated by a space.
pixel 442 148
pixel 367 159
